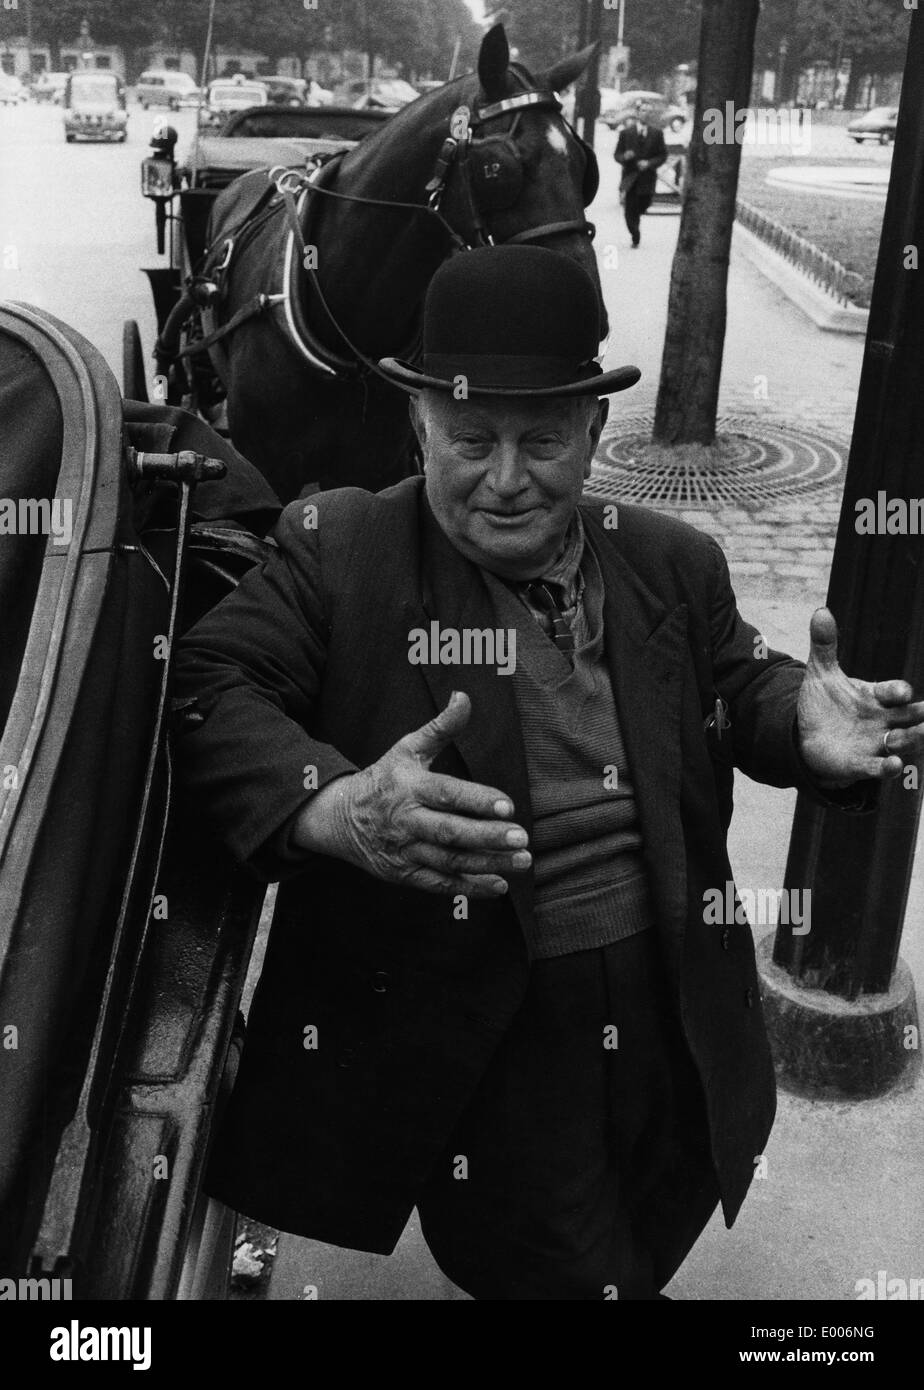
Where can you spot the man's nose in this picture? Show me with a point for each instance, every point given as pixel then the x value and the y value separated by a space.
pixel 508 474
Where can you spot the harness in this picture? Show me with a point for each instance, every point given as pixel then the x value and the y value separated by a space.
pixel 489 172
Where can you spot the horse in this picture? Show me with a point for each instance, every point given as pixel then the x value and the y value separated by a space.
pixel 484 159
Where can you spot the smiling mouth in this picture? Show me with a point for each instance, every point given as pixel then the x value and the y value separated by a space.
pixel 503 518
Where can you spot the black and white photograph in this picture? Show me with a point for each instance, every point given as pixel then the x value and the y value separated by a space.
pixel 462 678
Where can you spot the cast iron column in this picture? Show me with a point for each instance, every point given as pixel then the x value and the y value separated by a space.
pixel 839 1004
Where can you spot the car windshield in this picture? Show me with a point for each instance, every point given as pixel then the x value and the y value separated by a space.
pixel 93 88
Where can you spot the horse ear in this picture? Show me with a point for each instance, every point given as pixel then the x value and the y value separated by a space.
pixel 561 75
pixel 493 61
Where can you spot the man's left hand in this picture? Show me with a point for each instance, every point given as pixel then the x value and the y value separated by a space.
pixel 843 722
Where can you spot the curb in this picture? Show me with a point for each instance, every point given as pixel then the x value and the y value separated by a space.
pixel 822 308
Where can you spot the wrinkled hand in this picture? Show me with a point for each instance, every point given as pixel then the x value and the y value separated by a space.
pixel 405 824
pixel 842 721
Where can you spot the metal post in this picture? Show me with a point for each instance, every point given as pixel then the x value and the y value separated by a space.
pixel 582 22
pixel 589 94
pixel 30 39
pixel 858 868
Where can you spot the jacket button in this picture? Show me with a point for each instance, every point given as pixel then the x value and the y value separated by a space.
pixel 380 981
pixel 346 1057
pixel 726 939
pixel 749 998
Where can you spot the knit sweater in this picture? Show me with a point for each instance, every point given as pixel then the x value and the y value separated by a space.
pixel 591 888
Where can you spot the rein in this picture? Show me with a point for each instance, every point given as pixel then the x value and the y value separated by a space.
pixel 453 155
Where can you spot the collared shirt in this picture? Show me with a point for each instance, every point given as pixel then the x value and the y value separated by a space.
pixel 566 572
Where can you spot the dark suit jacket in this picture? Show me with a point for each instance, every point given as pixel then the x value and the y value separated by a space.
pixel 306 665
pixel 630 148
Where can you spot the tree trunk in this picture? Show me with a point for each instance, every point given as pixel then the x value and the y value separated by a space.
pixel 691 366
pixel 853 85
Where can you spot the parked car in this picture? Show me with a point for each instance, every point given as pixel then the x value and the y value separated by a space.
pixel 49 86
pixel 662 111
pixel 318 95
pixel 12 90
pixel 166 87
pixel 878 124
pixel 228 94
pixel 388 93
pixel 95 107
pixel 285 91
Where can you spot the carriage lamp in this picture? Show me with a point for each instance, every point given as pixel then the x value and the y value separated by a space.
pixel 158 177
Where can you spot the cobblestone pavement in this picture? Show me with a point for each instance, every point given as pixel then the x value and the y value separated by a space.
pixel 777 366
pixel 788 544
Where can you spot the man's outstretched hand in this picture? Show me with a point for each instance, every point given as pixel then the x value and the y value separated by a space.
pixel 405 824
pixel 842 721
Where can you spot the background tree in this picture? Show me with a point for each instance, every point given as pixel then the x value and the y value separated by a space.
pixel 869 34
pixel 691 366
pixel 660 33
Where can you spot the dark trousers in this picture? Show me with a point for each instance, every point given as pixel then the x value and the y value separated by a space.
pixel 578 1171
pixel 636 204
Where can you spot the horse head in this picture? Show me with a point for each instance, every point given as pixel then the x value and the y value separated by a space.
pixel 491 153
pixel 529 176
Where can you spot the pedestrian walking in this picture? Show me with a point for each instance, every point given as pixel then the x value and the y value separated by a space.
pixel 641 151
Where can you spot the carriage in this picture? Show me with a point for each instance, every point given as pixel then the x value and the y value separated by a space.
pixel 183 192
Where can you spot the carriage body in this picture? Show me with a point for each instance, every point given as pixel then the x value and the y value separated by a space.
pixel 125 937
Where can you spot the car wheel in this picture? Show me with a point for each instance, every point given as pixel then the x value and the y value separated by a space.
pixel 857 139
pixel 884 137
pixel 70 139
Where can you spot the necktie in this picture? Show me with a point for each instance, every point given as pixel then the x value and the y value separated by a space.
pixel 548 599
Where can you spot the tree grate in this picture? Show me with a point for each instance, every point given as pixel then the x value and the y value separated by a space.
pixel 765 461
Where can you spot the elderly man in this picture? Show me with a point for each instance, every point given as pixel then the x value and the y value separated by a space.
pixel 641 151
pixel 484 732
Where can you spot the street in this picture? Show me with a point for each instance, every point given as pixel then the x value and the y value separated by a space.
pixel 74 228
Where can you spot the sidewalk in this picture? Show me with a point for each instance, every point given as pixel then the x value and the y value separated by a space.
pixel 842 1196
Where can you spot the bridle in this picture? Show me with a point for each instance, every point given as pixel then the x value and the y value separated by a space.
pixel 477 161
pixel 468 157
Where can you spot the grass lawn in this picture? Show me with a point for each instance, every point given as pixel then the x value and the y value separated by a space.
pixel 847 228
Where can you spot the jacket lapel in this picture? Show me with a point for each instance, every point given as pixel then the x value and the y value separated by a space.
pixel 453 594
pixel 646 652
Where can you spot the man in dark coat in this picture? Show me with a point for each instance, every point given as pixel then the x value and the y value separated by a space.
pixel 641 151
pixel 483 732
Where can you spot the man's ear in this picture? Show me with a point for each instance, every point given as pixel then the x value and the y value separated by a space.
pixel 418 423
pixel 594 431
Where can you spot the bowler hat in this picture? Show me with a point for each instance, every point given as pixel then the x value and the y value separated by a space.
pixel 511 321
